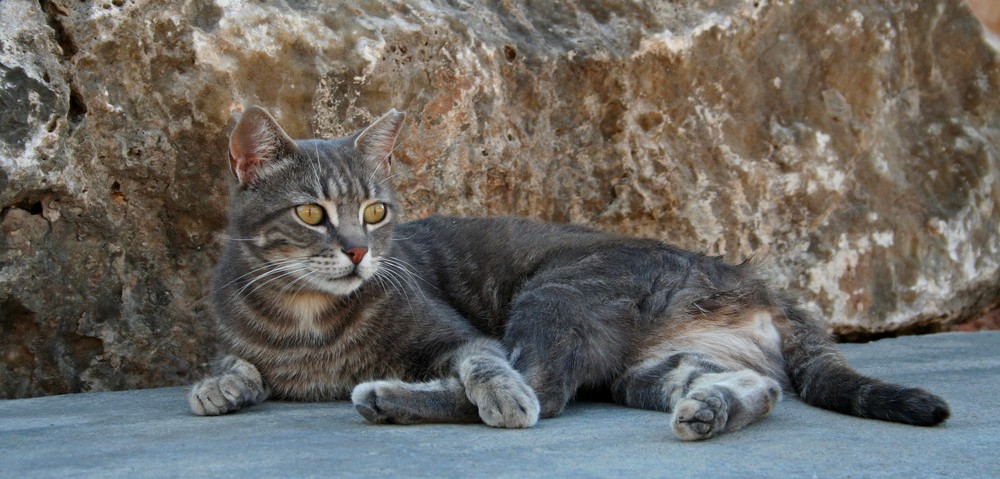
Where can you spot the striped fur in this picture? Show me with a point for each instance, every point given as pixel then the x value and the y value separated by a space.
pixel 499 320
pixel 821 377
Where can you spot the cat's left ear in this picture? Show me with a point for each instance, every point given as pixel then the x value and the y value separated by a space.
pixel 377 141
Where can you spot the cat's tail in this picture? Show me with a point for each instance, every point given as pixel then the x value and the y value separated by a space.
pixel 821 377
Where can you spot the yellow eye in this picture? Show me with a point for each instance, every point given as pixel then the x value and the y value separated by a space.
pixel 374 213
pixel 311 213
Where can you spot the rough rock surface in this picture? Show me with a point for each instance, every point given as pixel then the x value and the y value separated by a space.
pixel 852 146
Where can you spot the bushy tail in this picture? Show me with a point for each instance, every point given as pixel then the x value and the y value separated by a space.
pixel 820 375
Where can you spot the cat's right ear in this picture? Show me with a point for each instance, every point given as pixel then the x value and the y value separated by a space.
pixel 256 145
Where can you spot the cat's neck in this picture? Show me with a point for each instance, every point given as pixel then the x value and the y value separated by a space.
pixel 303 312
pixel 306 306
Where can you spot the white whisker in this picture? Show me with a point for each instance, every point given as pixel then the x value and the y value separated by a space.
pixel 274 274
pixel 410 270
pixel 399 284
pixel 316 167
pixel 269 264
pixel 309 272
pixel 396 238
pixel 387 178
pixel 232 238
pixel 371 176
pixel 397 270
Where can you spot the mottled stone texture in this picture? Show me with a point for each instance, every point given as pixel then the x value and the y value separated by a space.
pixel 850 145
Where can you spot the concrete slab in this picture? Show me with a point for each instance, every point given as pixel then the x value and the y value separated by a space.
pixel 150 433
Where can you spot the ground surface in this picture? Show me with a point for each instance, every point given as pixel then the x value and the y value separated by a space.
pixel 150 433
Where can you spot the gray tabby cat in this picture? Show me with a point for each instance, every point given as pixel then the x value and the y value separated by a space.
pixel 322 295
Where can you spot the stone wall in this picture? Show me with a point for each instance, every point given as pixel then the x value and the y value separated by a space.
pixel 851 146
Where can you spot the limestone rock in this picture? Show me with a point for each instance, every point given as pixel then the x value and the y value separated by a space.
pixel 851 146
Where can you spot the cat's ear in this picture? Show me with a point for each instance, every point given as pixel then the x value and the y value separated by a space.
pixel 377 141
pixel 256 145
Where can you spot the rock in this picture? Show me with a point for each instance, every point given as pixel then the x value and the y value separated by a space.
pixel 849 146
pixel 988 12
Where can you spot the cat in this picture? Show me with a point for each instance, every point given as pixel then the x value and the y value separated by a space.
pixel 323 294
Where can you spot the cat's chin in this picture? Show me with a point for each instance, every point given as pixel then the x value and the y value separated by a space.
pixel 342 286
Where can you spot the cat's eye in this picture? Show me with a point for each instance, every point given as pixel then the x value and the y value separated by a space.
pixel 374 213
pixel 311 214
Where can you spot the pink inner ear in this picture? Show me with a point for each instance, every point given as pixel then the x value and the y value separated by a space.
pixel 241 162
pixel 233 165
pixel 255 141
pixel 244 168
pixel 386 164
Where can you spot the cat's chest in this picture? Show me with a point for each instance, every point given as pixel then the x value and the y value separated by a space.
pixel 307 315
pixel 313 353
pixel 319 373
pixel 312 375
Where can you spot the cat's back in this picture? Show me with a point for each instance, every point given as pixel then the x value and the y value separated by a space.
pixel 523 243
pixel 478 264
pixel 500 233
pixel 511 246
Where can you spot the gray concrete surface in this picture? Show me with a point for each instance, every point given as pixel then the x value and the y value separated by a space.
pixel 150 433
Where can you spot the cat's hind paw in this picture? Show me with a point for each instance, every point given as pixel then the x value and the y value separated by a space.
pixel 701 415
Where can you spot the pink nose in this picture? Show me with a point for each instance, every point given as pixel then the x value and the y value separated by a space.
pixel 356 254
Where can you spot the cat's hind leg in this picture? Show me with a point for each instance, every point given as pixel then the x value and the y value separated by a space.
pixel 724 402
pixel 705 399
pixel 236 384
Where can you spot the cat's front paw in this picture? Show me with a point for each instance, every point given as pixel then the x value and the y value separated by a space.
pixel 227 392
pixel 508 405
pixel 503 397
pixel 701 415
pixel 398 402
pixel 366 401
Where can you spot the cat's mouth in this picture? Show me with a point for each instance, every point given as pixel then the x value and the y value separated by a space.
pixel 336 281
pixel 355 273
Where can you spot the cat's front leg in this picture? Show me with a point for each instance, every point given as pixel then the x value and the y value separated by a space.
pixel 500 392
pixel 399 402
pixel 487 388
pixel 236 385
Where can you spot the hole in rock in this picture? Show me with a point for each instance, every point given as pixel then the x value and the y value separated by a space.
pixel 77 108
pixel 510 53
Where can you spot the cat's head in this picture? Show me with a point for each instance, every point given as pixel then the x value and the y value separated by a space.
pixel 315 215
